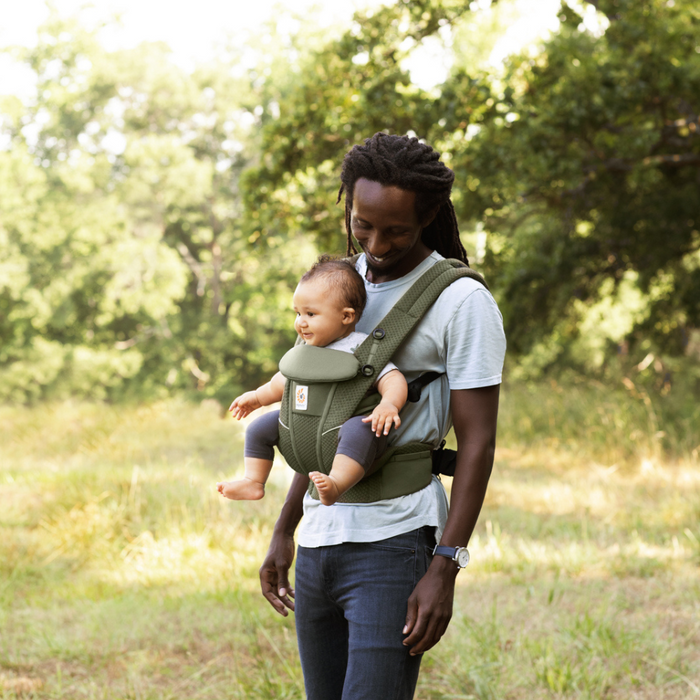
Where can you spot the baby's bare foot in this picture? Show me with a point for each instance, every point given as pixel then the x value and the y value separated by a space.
pixel 327 489
pixel 241 490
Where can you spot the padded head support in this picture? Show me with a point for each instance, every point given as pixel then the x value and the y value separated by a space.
pixel 313 365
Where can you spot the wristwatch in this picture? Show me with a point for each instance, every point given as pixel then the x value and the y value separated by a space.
pixel 459 555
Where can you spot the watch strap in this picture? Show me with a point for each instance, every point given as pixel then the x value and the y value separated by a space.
pixel 449 552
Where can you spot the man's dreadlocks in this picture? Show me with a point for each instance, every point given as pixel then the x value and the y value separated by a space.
pixel 406 163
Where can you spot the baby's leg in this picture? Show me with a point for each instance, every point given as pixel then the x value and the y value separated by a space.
pixel 358 447
pixel 252 486
pixel 345 473
pixel 260 437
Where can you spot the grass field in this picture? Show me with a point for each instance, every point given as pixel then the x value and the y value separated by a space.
pixel 124 575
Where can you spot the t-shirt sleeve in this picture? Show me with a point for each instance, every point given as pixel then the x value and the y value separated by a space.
pixel 387 368
pixel 475 342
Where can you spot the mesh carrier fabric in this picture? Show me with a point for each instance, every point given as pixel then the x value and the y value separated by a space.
pixel 309 443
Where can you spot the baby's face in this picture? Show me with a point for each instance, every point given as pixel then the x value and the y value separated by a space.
pixel 321 317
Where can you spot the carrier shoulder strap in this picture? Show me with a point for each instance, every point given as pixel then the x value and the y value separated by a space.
pixel 407 468
pixel 379 347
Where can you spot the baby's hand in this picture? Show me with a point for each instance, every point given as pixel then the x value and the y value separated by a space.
pixel 382 418
pixel 244 405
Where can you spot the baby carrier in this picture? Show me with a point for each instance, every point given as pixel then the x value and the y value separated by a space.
pixel 327 387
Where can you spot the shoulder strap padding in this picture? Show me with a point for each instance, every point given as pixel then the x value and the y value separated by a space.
pixel 377 349
pixel 406 469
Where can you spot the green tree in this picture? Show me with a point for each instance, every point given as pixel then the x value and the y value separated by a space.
pixel 580 160
pixel 153 221
pixel 342 92
pixel 127 261
pixel 585 171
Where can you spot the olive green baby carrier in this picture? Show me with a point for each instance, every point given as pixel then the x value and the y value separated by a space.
pixel 327 387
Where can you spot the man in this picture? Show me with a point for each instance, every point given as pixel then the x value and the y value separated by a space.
pixel 370 595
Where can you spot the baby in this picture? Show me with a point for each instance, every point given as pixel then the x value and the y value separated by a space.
pixel 328 302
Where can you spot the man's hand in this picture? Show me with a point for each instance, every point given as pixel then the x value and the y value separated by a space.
pixel 274 574
pixel 383 417
pixel 430 606
pixel 244 404
pixel 474 414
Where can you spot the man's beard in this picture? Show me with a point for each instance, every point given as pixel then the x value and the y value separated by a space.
pixel 371 268
pixel 380 271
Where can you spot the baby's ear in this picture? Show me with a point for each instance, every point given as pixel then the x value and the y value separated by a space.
pixel 349 315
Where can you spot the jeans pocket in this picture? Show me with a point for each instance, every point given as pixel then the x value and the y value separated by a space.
pixel 423 558
pixel 406 542
pixel 386 547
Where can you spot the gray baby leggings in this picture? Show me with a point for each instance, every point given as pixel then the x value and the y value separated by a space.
pixel 355 439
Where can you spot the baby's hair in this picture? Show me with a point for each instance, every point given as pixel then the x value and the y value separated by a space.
pixel 342 278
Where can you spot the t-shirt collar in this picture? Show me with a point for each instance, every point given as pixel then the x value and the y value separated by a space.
pixel 410 278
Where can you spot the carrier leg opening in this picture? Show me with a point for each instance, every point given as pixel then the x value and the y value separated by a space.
pixel 344 474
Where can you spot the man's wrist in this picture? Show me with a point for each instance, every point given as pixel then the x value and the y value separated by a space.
pixel 293 510
pixel 445 568
pixel 289 518
pixel 284 528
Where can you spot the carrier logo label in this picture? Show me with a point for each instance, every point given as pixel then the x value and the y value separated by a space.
pixel 301 398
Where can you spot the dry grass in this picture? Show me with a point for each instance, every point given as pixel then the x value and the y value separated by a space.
pixel 124 575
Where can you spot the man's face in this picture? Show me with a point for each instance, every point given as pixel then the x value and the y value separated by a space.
pixel 321 317
pixel 384 223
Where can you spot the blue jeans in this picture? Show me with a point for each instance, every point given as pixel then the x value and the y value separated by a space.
pixel 351 602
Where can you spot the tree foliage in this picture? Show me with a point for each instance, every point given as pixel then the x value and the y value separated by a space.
pixel 124 254
pixel 154 220
pixel 580 159
pixel 587 169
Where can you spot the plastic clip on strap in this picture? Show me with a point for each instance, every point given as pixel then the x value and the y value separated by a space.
pixel 444 461
pixel 368 368
pixel 417 385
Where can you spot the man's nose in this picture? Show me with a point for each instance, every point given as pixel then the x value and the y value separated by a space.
pixel 378 245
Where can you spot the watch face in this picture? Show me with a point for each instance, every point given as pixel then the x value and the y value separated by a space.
pixel 462 557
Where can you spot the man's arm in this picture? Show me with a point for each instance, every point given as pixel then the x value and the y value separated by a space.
pixel 274 572
pixel 474 416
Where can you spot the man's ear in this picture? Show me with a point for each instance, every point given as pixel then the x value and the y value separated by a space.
pixel 430 216
pixel 349 315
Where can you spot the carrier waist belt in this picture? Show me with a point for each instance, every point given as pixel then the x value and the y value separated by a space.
pixel 398 472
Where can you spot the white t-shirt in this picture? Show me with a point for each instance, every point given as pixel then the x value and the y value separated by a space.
pixel 461 336
pixel 351 342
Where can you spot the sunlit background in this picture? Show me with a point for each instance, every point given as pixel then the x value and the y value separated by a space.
pixel 167 170
pixel 196 33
